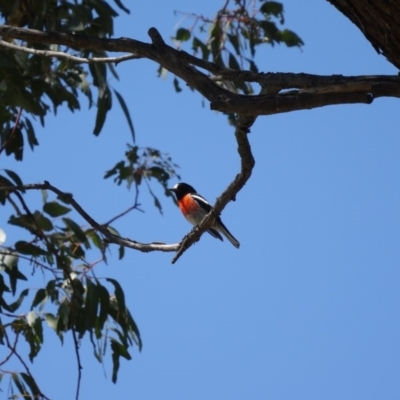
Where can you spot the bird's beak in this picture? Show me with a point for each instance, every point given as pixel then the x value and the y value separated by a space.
pixel 172 190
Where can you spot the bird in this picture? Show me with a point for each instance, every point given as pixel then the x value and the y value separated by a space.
pixel 195 207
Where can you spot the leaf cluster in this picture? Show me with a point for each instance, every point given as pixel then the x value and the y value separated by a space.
pixel 73 300
pixel 141 165
pixel 34 85
pixel 231 38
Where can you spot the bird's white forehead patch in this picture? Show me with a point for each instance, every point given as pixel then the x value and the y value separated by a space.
pixel 176 186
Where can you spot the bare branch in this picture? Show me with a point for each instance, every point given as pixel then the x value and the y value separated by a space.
pixel 110 238
pixel 21 360
pixel 135 206
pixel 320 90
pixel 78 360
pixel 67 56
pixel 247 164
pixel 282 103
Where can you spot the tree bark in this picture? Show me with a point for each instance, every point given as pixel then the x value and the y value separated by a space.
pixel 378 20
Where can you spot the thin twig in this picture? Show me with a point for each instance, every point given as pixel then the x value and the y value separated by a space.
pixel 22 362
pixel 247 164
pixel 110 238
pixel 135 206
pixel 70 57
pixel 11 350
pixel 78 360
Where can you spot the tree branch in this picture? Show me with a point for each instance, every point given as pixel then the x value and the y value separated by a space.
pixel 21 360
pixel 67 56
pixel 281 103
pixel 318 91
pixel 110 238
pixel 78 360
pixel 247 164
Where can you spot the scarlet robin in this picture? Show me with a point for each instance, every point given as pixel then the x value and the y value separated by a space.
pixel 195 207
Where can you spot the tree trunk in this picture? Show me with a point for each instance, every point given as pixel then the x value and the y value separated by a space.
pixel 378 20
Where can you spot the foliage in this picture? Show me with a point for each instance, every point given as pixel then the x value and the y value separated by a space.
pixel 39 85
pixel 230 39
pixel 53 241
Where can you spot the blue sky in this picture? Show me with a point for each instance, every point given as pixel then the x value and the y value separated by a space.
pixel 308 308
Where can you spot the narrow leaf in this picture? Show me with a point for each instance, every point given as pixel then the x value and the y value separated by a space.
pixel 14 306
pixel 31 383
pixel 119 294
pixel 40 296
pixel 76 229
pixel 17 180
pixel 29 249
pixel 55 209
pixel 126 112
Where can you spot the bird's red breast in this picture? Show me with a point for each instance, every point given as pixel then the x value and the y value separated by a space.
pixel 188 205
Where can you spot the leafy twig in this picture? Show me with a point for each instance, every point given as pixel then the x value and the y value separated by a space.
pixel 5 144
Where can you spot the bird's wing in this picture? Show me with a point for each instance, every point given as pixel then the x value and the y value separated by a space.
pixel 206 206
pixel 202 202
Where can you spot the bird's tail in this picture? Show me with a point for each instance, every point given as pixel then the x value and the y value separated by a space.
pixel 224 230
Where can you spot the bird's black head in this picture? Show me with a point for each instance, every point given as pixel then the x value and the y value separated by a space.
pixel 181 189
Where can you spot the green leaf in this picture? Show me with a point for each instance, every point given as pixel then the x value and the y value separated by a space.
pixel 52 291
pixel 14 306
pixel 29 249
pixel 45 195
pixel 16 144
pixel 40 296
pixel 63 317
pixel 31 318
pixel 104 298
pixel 14 275
pixel 32 141
pixel 38 329
pixel 17 180
pixel 234 39
pixel 233 62
pixel 119 294
pixel 8 258
pixel 43 222
pixel 182 35
pixel 51 321
pixel 20 386
pixel 113 231
pixel 34 335
pixel 271 32
pixel 96 240
pixel 126 112
pixel 121 252
pixel 134 328
pixel 121 6
pixel 3 287
pixel 176 85
pixel 32 384
pixel 55 209
pixel 204 49
pixel 115 358
pixel 118 350
pixel 291 39
pixel 91 304
pixel 28 101
pixel 75 228
pixel 273 8
pixel 104 104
